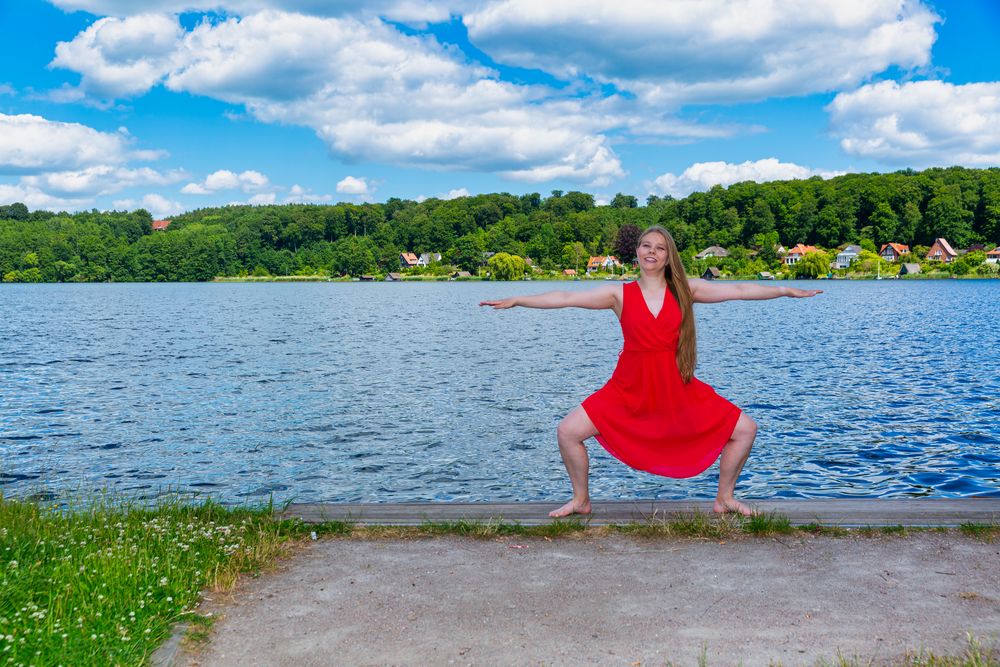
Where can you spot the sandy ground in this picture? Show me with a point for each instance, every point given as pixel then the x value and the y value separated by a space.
pixel 611 601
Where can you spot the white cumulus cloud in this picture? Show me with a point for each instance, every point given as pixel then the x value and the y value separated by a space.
pixel 455 194
pixel 223 179
pixel 100 180
pixel 263 198
pixel 300 195
pixel 159 206
pixel 414 11
pixel 368 90
pixel 350 185
pixel 121 57
pixel 30 143
pixel 921 123
pixel 703 175
pixel 34 198
pixel 708 50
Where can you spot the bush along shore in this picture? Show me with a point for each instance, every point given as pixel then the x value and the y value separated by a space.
pixel 497 234
pixel 108 580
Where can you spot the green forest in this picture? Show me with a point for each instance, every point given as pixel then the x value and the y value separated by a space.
pixel 556 232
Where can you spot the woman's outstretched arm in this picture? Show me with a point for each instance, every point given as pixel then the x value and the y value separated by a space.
pixel 704 291
pixel 602 297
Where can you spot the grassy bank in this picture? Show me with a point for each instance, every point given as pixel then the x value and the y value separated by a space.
pixel 104 582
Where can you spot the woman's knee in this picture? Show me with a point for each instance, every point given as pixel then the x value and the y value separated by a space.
pixel 575 426
pixel 746 427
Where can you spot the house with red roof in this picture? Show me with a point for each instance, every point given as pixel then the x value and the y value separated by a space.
pixel 602 263
pixel 160 225
pixel 408 260
pixel 993 256
pixel 890 252
pixel 941 251
pixel 798 252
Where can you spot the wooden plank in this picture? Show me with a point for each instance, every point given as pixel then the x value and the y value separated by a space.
pixel 826 511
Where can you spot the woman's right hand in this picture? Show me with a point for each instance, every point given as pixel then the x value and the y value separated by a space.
pixel 501 303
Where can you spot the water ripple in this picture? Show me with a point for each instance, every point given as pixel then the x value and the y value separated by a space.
pixel 372 392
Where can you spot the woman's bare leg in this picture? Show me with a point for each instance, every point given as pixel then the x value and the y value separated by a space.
pixel 734 455
pixel 573 430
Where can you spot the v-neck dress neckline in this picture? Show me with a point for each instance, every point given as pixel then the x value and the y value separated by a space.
pixel 663 303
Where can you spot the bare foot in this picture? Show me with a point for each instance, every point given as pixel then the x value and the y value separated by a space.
pixel 572 507
pixel 732 506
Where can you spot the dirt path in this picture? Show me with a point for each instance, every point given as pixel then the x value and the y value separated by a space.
pixel 612 600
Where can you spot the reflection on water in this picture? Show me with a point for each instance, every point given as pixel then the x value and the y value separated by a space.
pixel 401 392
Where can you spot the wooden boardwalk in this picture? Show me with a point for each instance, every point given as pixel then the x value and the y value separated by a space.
pixel 826 511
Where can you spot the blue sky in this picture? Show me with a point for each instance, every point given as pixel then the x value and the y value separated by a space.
pixel 173 105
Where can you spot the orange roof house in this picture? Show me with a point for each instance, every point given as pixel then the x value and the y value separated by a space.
pixel 798 252
pixel 890 252
pixel 160 225
pixel 941 251
pixel 993 255
pixel 408 259
pixel 602 262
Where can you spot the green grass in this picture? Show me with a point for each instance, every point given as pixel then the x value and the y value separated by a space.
pixel 974 655
pixel 104 582
pixel 981 531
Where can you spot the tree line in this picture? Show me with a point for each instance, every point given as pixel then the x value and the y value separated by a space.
pixel 557 231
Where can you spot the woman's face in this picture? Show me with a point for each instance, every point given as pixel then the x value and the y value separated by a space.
pixel 652 252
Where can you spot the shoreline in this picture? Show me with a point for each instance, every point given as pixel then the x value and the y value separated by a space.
pixel 553 279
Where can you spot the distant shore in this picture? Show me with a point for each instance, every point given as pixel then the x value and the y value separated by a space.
pixel 543 278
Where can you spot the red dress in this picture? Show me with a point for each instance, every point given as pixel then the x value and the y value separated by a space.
pixel 647 417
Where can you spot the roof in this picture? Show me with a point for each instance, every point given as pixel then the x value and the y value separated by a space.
pixel 408 257
pixel 599 260
pixel 159 225
pixel 714 271
pixel 945 246
pixel 856 249
pixel 717 251
pixel 569 272
pixel 900 248
pixel 910 268
pixel 995 251
pixel 800 249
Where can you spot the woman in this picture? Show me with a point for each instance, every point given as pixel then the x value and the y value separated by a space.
pixel 653 414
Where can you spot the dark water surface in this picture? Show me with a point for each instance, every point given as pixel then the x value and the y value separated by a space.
pixel 404 392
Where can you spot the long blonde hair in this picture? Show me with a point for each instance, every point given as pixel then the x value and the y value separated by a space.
pixel 687 348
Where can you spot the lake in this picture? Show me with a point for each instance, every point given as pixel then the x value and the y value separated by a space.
pixel 377 392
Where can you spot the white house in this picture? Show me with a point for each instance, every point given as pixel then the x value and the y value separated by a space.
pixel 846 256
pixel 798 252
pixel 427 257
